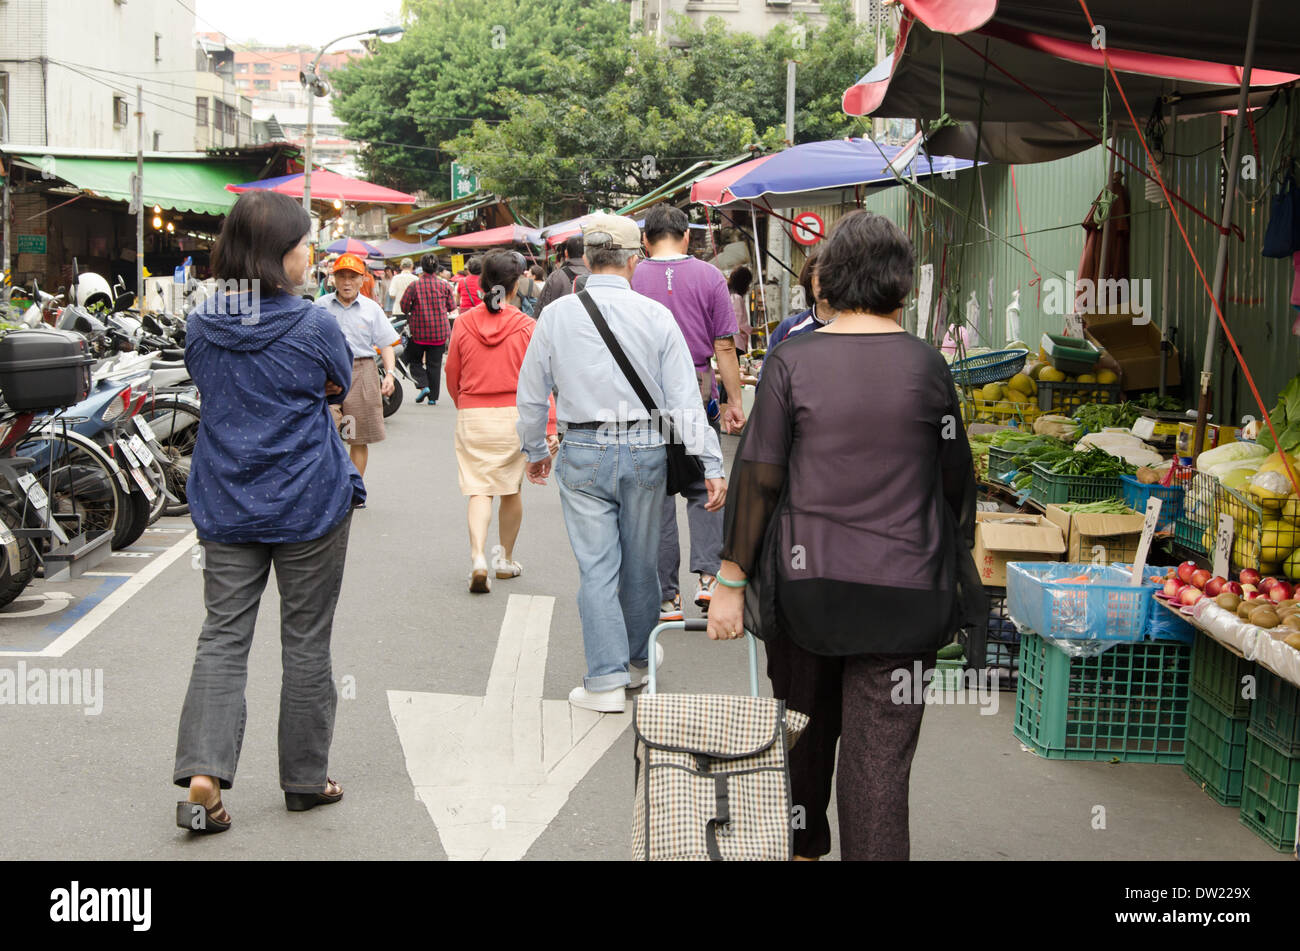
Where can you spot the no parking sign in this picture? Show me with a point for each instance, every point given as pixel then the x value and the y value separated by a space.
pixel 809 228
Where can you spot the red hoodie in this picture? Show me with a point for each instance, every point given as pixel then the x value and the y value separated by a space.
pixel 484 356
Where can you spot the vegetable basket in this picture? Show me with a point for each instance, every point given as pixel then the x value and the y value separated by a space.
pixel 1064 398
pixel 1054 488
pixel 1020 415
pixel 988 367
pixel 1171 500
pixel 1107 608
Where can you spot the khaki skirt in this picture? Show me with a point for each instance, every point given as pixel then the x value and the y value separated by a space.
pixel 488 456
pixel 361 417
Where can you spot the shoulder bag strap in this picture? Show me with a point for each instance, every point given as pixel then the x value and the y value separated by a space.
pixel 617 351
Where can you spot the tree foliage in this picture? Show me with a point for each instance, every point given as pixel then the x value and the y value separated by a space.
pixel 578 112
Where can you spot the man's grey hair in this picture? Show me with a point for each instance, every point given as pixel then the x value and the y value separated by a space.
pixel 407 264
pixel 601 256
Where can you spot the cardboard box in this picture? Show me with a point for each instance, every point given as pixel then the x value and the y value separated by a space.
pixel 1117 536
pixel 1004 537
pixel 1135 347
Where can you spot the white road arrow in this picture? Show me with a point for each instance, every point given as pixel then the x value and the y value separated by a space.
pixel 493 771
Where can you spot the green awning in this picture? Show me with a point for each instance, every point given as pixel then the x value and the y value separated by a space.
pixel 175 185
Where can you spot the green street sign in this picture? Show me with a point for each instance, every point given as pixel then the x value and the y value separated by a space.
pixel 463 181
pixel 32 244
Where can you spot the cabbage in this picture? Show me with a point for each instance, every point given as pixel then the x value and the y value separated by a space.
pixel 1231 452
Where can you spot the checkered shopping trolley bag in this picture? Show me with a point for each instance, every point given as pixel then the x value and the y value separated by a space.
pixel 712 779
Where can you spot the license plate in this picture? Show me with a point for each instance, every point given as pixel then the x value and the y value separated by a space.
pixel 146 430
pixel 144 485
pixel 128 455
pixel 6 537
pixel 35 494
pixel 142 452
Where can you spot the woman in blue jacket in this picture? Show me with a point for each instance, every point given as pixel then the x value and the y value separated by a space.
pixel 271 484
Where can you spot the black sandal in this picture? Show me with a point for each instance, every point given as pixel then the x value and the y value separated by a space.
pixel 301 802
pixel 198 818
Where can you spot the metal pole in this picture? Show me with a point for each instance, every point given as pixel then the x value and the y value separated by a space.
pixel 1105 226
pixel 1225 221
pixel 790 72
pixel 758 263
pixel 5 247
pixel 139 211
pixel 1164 279
pixel 311 135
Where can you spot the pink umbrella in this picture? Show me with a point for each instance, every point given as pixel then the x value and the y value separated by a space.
pixel 328 186
pixel 508 234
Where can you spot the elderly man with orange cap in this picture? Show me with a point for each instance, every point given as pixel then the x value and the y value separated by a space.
pixel 367 330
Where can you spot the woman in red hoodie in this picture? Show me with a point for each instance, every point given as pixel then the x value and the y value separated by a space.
pixel 487 346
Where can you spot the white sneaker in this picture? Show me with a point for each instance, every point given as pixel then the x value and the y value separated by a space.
pixel 478 578
pixel 671 610
pixel 642 677
pixel 602 701
pixel 503 568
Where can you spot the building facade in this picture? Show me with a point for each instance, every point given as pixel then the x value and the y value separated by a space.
pixel 69 71
pixel 222 117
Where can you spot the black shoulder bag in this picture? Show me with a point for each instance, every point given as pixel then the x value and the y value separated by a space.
pixel 684 469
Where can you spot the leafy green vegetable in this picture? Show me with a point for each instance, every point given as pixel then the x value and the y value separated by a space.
pixel 1104 507
pixel 1098 416
pixel 1285 417
pixel 1161 404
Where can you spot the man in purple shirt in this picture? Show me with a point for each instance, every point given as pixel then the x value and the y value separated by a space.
pixel 696 293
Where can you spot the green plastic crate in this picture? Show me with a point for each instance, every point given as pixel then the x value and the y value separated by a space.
pixel 1216 750
pixel 1070 354
pixel 1052 488
pixel 1275 714
pixel 999 462
pixel 1269 791
pixel 1218 674
pixel 1128 703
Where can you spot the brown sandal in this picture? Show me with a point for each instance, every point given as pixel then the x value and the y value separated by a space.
pixel 301 802
pixel 204 820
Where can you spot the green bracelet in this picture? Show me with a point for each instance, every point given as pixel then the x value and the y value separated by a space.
pixel 730 584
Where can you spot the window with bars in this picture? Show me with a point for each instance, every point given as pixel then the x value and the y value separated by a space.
pixel 201 111
pixel 121 112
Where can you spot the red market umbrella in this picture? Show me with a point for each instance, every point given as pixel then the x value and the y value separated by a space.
pixel 492 237
pixel 329 186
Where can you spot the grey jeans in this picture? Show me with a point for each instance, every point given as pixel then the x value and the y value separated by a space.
pixel 706 539
pixel 308 575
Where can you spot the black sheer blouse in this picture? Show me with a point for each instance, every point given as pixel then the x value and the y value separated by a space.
pixel 852 496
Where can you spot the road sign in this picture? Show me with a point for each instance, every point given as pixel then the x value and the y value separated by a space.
pixel 494 770
pixel 32 244
pixel 809 228
pixel 463 181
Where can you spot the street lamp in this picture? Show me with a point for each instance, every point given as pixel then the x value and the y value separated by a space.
pixel 316 86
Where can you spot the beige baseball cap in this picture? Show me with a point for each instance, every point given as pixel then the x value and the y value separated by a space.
pixel 613 231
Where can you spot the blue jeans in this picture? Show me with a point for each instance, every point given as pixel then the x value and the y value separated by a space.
pixel 612 492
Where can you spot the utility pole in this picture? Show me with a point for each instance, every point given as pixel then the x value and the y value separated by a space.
pixel 783 309
pixel 139 198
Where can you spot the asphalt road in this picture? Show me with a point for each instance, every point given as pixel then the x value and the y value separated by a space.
pixel 74 786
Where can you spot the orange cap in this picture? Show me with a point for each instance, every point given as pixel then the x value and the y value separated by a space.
pixel 349 262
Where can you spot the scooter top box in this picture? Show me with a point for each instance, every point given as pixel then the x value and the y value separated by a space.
pixel 44 369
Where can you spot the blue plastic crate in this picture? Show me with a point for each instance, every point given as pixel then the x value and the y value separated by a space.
pixel 1161 625
pixel 1171 500
pixel 1106 609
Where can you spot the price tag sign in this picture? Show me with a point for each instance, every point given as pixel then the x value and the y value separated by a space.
pixel 35 494
pixel 146 430
pixel 1073 326
pixel 1222 546
pixel 1144 428
pixel 1144 544
pixel 142 452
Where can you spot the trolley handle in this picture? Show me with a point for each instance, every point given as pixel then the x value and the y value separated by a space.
pixel 700 624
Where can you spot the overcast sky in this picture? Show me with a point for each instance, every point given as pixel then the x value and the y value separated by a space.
pixel 288 22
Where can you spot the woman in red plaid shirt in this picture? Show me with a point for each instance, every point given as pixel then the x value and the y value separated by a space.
pixel 427 304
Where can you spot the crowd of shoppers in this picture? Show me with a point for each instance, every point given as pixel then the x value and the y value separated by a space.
pixel 618 354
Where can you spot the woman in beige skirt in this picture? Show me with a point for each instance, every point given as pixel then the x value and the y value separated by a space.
pixel 483 358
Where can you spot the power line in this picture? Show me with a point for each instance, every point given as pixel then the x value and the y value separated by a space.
pixel 95 79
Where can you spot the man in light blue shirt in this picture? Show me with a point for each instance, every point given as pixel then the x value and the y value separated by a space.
pixel 612 465
pixel 366 328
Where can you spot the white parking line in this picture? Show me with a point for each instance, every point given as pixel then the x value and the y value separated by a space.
pixel 105 609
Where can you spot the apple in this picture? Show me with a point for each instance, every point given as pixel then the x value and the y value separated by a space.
pixel 1281 591
pixel 1172 587
pixel 1248 588
pixel 1214 586
pixel 1200 577
pixel 1232 588
pixel 1189 596
pixel 1249 576
pixel 1266 583
pixel 1185 571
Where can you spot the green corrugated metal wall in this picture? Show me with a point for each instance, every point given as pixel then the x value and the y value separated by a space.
pixel 1054 197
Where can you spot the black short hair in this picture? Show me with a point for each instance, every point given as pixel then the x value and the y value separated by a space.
pixel 806 274
pixel 740 280
pixel 260 230
pixel 501 272
pixel 666 221
pixel 538 272
pixel 573 247
pixel 865 264
pixel 475 264
pixel 429 264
